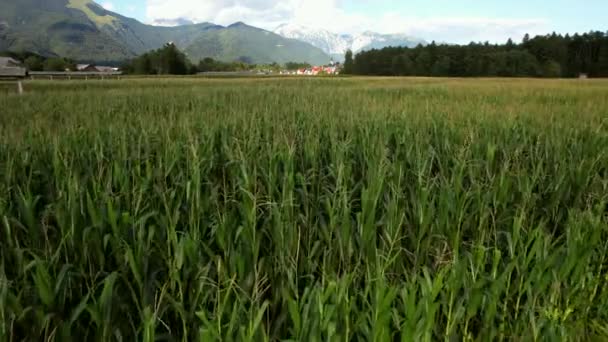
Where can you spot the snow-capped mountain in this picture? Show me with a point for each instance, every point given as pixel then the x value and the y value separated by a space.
pixel 336 44
pixel 372 40
pixel 327 41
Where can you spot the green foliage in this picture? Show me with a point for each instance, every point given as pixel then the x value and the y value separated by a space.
pixel 57 64
pixel 552 69
pixel 34 63
pixel 165 61
pixel 296 65
pixel 403 65
pixel 441 66
pixel 548 56
pixel 209 64
pixel 181 209
pixel 348 63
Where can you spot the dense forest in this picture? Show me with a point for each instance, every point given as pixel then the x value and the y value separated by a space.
pixel 550 55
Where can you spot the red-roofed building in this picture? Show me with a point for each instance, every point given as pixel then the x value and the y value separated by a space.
pixel 317 70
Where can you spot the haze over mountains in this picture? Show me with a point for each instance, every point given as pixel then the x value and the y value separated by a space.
pixel 85 31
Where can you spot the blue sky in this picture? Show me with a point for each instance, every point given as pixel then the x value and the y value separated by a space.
pixel 130 8
pixel 458 21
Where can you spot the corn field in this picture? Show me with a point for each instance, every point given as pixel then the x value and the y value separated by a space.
pixel 184 209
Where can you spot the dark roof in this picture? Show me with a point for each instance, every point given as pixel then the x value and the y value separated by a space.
pixel 8 62
pixel 85 66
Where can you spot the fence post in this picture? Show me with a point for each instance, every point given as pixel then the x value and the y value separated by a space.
pixel 19 87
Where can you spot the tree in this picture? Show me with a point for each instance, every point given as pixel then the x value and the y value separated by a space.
pixel 206 64
pixel 474 66
pixel 296 65
pixel 442 67
pixel 167 60
pixel 143 65
pixel 424 62
pixel 602 67
pixel 403 65
pixel 55 64
pixel 209 64
pixel 34 63
pixel 552 69
pixel 523 63
pixel 172 61
pixel 348 63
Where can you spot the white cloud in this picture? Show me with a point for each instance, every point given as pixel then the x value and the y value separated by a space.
pixel 216 11
pixel 464 30
pixel 108 6
pixel 330 15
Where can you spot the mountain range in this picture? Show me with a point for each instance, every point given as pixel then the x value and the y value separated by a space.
pixel 85 31
pixel 336 44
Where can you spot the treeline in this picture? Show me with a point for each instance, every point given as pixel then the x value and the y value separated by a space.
pixel 169 60
pixel 542 56
pixel 209 64
pixel 35 62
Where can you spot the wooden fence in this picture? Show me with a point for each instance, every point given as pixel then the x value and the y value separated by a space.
pixel 14 73
pixel 19 74
pixel 69 75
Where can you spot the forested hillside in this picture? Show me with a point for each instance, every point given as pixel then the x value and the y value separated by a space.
pixel 84 31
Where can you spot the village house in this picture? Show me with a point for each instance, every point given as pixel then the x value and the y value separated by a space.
pixel 332 69
pixel 7 62
pixel 95 68
pixel 11 68
pixel 102 68
pixel 316 70
pixel 86 68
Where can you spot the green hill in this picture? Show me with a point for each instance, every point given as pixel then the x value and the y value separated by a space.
pixel 84 31
pixel 51 27
pixel 247 43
